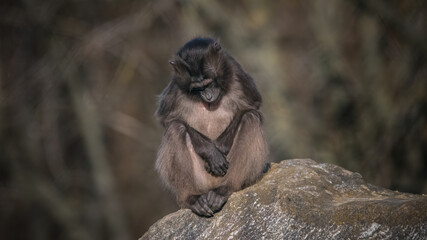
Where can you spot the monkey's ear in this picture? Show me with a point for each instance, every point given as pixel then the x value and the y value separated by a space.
pixel 178 64
pixel 213 52
pixel 172 62
pixel 214 59
pixel 215 47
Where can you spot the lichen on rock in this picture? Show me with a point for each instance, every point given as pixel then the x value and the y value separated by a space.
pixel 303 199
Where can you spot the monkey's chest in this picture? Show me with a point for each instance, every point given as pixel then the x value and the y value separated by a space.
pixel 209 123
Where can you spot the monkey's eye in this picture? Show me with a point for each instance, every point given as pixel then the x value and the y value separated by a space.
pixel 201 85
pixel 198 89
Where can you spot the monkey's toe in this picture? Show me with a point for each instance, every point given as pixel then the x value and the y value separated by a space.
pixel 201 207
pixel 215 201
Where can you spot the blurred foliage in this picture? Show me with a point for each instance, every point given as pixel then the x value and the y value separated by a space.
pixel 343 82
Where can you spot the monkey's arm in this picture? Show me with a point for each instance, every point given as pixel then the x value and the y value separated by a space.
pixel 225 140
pixel 216 163
pixel 250 90
pixel 166 104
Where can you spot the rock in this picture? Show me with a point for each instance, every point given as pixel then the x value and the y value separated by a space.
pixel 302 199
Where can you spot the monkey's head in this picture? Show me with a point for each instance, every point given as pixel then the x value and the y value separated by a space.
pixel 202 69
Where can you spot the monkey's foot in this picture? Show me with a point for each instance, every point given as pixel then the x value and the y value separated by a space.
pixel 201 206
pixel 215 200
pixel 209 203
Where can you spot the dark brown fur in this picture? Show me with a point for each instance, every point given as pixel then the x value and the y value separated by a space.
pixel 213 143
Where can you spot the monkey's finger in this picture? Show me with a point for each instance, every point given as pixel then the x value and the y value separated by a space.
pixel 208 169
pixel 221 171
pixel 224 167
pixel 223 161
pixel 216 170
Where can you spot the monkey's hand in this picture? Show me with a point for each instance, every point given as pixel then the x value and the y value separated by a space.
pixel 223 145
pixel 215 162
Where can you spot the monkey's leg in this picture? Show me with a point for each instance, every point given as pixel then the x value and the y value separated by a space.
pixel 175 165
pixel 174 160
pixel 248 153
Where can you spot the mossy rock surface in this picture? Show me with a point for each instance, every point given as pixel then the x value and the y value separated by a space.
pixel 302 199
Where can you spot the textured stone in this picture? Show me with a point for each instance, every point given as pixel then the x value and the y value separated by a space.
pixel 302 199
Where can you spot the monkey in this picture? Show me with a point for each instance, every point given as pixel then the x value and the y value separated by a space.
pixel 213 143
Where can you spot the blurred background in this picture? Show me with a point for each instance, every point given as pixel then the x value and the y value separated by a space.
pixel 343 82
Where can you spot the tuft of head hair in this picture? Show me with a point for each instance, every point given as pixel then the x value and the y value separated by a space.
pixel 201 57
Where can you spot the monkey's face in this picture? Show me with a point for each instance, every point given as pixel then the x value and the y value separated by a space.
pixel 201 69
pixel 207 89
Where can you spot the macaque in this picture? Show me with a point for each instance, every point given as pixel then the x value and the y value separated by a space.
pixel 213 144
